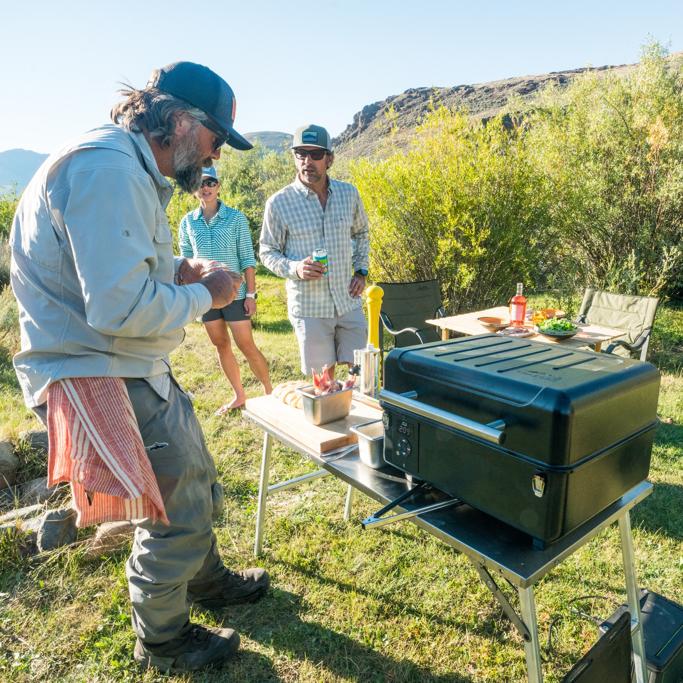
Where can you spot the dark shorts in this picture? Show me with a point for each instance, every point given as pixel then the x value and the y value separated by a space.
pixel 231 313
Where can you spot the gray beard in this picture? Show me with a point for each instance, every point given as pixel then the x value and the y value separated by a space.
pixel 187 167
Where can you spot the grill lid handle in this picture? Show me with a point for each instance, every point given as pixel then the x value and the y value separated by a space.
pixel 493 431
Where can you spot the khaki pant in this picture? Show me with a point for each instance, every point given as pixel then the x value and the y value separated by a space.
pixel 165 559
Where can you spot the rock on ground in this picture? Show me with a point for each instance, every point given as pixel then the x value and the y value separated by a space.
pixel 110 537
pixel 57 528
pixel 9 463
pixel 37 491
pixel 37 440
pixel 20 513
pixel 24 532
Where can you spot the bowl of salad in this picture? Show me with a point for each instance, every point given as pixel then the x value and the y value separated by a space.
pixel 557 328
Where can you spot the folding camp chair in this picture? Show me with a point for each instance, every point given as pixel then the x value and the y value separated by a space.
pixel 405 307
pixel 633 314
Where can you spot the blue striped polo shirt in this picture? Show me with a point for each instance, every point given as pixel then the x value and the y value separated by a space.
pixel 225 238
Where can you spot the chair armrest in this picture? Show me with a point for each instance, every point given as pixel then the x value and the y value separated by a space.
pixel 635 346
pixel 384 318
pixel 440 312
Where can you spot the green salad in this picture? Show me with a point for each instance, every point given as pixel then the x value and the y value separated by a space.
pixel 557 325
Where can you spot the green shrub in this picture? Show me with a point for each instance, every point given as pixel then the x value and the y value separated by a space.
pixel 247 180
pixel 464 205
pixel 583 186
pixel 9 320
pixel 8 205
pixel 4 263
pixel 611 149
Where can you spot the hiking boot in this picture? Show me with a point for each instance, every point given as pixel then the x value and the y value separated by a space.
pixel 231 588
pixel 199 647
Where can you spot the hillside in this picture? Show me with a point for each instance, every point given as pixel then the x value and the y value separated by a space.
pixel 271 140
pixel 484 100
pixel 17 166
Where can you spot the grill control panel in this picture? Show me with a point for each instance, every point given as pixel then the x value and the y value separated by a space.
pixel 401 441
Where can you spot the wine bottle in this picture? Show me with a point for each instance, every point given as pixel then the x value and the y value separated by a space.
pixel 518 307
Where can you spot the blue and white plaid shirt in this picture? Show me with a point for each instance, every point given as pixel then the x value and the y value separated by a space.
pixel 295 224
pixel 225 238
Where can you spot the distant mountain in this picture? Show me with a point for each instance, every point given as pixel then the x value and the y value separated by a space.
pixel 371 125
pixel 17 167
pixel 271 140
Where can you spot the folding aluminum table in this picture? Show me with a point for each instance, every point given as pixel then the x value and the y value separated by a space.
pixel 494 548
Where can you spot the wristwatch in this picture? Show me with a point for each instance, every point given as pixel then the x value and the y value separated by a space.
pixel 252 295
pixel 362 271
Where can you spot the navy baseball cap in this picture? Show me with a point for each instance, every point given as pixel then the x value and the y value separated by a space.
pixel 202 88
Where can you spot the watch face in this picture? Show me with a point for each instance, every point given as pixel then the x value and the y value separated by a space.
pixel 362 271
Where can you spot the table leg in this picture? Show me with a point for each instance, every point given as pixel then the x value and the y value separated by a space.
pixel 633 597
pixel 597 347
pixel 349 502
pixel 445 334
pixel 262 492
pixel 532 648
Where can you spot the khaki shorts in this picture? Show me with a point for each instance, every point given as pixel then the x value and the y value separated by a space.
pixel 325 341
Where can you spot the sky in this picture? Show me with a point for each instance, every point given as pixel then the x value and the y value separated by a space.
pixel 291 63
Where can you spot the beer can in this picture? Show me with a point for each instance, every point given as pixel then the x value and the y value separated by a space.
pixel 320 255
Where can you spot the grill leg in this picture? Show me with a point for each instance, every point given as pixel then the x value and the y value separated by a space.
pixel 633 597
pixel 349 502
pixel 262 492
pixel 532 648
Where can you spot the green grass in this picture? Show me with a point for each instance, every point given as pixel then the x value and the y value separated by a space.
pixel 346 605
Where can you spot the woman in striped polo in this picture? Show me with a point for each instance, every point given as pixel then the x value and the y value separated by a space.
pixel 217 232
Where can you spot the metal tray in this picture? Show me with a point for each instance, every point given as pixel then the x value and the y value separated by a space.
pixel 370 443
pixel 326 408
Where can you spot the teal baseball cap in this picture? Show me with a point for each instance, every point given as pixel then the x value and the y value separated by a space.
pixel 312 136
pixel 209 172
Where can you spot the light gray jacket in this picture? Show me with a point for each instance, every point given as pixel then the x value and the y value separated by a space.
pixel 92 266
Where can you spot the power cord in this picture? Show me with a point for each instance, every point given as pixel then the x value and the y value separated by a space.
pixel 578 612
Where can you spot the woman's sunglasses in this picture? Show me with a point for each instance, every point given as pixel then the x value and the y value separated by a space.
pixel 209 182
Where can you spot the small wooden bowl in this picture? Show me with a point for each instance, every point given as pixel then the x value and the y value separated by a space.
pixel 553 313
pixel 493 323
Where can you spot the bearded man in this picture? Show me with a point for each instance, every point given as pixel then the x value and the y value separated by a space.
pixel 100 299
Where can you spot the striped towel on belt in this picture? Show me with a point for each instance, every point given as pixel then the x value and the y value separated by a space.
pixel 95 443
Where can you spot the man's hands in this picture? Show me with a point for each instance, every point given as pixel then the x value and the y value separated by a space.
pixel 222 284
pixel 357 285
pixel 192 270
pixel 308 269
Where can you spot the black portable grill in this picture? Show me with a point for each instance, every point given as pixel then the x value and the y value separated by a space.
pixel 539 436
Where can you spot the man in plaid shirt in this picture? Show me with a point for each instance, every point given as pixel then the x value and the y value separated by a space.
pixel 317 212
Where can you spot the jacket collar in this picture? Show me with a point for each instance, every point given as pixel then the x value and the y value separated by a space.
pixel 164 187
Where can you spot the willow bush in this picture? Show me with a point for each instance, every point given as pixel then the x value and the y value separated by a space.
pixel 611 149
pixel 464 205
pixel 8 205
pixel 582 186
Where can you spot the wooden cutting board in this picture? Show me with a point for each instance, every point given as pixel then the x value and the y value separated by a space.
pixel 321 438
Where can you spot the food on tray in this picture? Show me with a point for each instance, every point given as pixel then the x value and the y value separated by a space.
pixel 287 393
pixel 516 332
pixel 557 325
pixel 325 383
